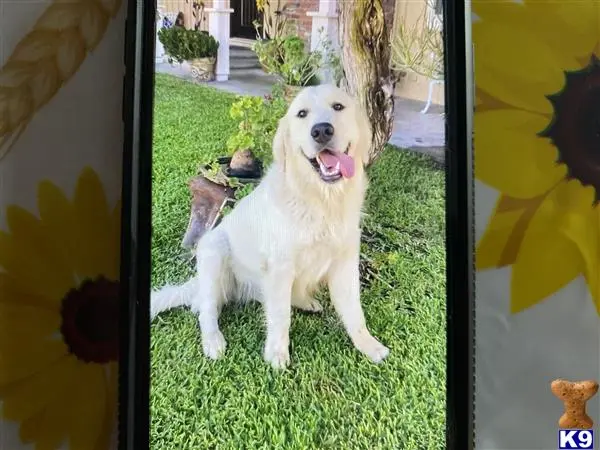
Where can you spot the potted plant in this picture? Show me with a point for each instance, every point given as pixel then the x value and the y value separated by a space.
pixel 250 146
pixel 221 182
pixel 288 59
pixel 196 47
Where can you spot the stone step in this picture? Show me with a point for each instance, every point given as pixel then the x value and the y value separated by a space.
pixel 241 53
pixel 242 58
pixel 241 42
pixel 235 63
pixel 251 74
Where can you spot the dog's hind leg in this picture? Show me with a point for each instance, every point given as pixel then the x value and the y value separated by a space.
pixel 214 286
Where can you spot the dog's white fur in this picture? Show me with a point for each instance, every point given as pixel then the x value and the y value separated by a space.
pixel 292 233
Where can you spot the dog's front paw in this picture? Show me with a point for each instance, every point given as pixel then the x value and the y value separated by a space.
pixel 308 304
pixel 214 345
pixel 277 355
pixel 371 347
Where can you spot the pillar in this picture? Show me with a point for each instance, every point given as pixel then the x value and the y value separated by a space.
pixel 325 26
pixel 218 27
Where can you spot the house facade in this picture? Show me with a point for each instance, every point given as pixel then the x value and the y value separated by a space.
pixel 231 23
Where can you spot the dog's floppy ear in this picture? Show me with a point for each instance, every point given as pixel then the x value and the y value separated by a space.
pixel 365 136
pixel 281 142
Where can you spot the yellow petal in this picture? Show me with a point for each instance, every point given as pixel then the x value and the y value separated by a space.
pixel 58 217
pixel 55 420
pixel 579 220
pixel 110 415
pixel 510 157
pixel 593 271
pixel 22 359
pixel 518 74
pixel 87 405
pixel 29 397
pixel 29 429
pixel 12 292
pixel 500 243
pixel 548 258
pixel 93 218
pixel 30 270
pixel 23 323
pixel 572 28
pixel 569 28
pixel 115 238
pixel 36 241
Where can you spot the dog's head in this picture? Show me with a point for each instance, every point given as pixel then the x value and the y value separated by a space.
pixel 324 134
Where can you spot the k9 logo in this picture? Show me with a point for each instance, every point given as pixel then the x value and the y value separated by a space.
pixel 575 439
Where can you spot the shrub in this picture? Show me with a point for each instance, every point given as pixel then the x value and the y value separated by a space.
pixel 287 58
pixel 184 45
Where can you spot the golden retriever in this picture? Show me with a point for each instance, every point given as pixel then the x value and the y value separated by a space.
pixel 298 229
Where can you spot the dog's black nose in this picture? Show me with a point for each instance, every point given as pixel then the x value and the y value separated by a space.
pixel 322 132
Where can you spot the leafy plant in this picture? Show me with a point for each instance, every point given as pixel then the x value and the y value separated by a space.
pixel 184 45
pixel 288 59
pixel 258 119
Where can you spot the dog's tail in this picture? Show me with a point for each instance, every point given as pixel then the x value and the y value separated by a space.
pixel 170 297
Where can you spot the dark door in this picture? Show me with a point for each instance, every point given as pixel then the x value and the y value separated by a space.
pixel 244 13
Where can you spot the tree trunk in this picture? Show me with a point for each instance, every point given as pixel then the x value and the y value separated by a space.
pixel 365 46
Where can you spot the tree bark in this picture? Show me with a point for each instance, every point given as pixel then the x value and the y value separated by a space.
pixel 365 47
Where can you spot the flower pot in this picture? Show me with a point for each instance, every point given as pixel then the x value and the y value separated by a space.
pixel 203 69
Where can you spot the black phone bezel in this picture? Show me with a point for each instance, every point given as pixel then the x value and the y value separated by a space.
pixel 136 226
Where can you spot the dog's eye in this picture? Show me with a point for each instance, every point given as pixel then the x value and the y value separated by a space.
pixel 302 113
pixel 338 106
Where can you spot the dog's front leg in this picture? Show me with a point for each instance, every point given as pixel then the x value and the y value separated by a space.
pixel 277 298
pixel 344 289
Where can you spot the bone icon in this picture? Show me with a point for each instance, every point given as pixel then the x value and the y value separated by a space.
pixel 574 395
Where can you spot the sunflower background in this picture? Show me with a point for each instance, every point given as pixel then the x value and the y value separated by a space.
pixel 537 169
pixel 60 181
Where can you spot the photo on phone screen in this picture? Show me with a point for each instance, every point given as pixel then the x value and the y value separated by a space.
pixel 298 225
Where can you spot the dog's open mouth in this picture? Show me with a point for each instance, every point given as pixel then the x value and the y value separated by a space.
pixel 332 165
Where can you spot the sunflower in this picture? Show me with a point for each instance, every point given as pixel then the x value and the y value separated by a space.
pixel 59 295
pixel 537 141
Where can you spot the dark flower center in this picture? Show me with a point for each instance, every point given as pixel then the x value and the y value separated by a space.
pixel 575 127
pixel 90 320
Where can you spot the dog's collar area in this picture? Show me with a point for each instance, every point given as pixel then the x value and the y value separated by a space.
pixel 335 174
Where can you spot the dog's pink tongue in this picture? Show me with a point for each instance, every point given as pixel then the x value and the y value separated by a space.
pixel 331 158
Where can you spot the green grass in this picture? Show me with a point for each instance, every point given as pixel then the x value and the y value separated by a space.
pixel 331 397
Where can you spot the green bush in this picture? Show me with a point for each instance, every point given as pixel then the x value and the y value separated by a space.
pixel 287 58
pixel 258 119
pixel 184 45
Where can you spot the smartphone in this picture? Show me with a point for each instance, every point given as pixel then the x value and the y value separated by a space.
pixel 208 131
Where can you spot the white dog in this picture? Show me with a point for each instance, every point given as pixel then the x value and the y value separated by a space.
pixel 299 228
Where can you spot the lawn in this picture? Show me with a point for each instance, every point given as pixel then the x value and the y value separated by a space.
pixel 331 397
